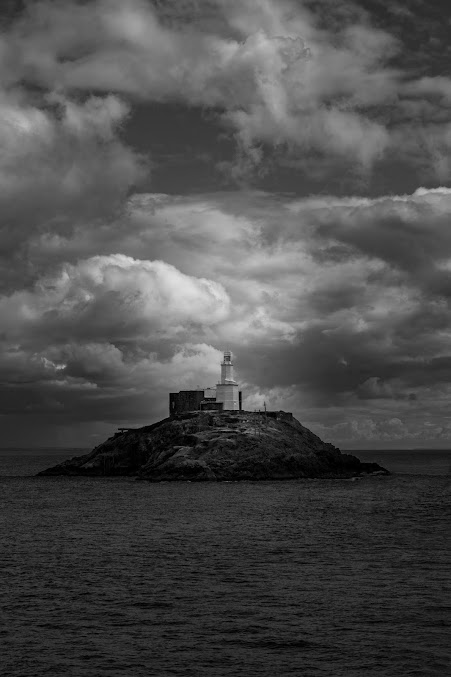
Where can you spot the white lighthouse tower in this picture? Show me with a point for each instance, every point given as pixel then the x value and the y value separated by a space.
pixel 227 389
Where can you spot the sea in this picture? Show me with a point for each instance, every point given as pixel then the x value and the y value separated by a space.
pixel 112 577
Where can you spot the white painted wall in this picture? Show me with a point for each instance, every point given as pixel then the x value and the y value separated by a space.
pixel 227 393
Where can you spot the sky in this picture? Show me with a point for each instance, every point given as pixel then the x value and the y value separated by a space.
pixel 184 177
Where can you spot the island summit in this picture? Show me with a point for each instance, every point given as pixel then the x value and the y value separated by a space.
pixel 208 436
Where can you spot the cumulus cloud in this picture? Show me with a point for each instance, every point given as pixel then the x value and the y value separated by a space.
pixel 56 157
pixel 113 296
pixel 322 315
pixel 317 272
pixel 277 75
pixel 109 298
pixel 351 320
pixel 61 164
pixel 105 339
pixel 273 76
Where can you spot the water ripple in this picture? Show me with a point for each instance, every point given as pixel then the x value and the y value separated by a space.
pixel 112 578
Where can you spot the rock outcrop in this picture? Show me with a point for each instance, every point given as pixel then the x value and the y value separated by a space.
pixel 217 446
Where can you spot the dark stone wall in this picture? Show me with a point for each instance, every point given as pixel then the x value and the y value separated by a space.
pixel 211 405
pixel 278 415
pixel 185 400
pixel 284 416
pixel 190 400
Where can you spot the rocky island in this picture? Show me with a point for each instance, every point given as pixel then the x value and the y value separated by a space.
pixel 218 446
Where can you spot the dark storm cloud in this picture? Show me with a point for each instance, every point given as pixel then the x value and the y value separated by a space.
pixel 353 327
pixel 58 169
pixel 315 84
pixel 248 65
pixel 327 300
pixel 328 363
pixel 336 307
pixel 331 329
pixel 394 231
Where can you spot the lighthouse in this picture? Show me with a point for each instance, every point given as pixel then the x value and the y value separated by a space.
pixel 227 388
pixel 225 396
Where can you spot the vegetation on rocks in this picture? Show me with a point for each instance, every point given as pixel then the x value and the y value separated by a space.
pixel 217 446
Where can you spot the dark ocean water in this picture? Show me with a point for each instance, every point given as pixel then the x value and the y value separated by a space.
pixel 112 577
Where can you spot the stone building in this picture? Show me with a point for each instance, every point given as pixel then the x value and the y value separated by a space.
pixel 224 397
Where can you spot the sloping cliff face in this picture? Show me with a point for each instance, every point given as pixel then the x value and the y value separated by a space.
pixel 217 446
